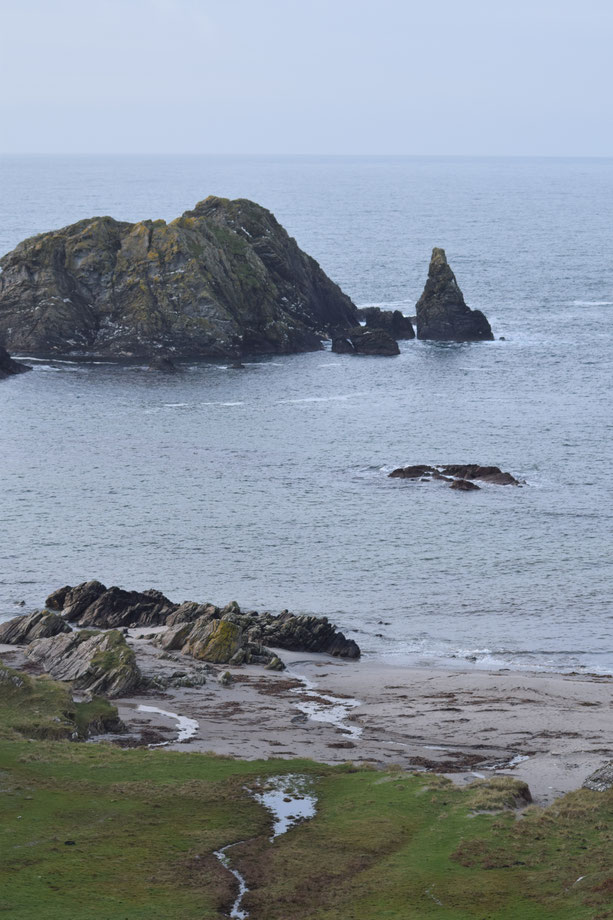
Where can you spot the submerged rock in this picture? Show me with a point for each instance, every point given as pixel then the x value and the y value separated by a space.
pixel 101 663
pixel 38 625
pixel 464 485
pixel 441 310
pixel 224 279
pixel 162 363
pixel 392 321
pixel 361 341
pixel 9 367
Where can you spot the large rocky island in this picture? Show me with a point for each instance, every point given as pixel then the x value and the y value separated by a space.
pixel 221 280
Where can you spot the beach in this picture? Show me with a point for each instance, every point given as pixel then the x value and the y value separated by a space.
pixel 550 730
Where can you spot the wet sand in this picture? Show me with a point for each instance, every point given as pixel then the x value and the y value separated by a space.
pixel 550 730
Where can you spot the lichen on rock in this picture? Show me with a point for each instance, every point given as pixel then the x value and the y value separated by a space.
pixel 97 662
pixel 224 279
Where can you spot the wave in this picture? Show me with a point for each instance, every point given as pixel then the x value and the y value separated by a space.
pixel 592 303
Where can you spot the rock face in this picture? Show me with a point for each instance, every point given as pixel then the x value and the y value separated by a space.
pixel 9 367
pixel 361 341
pixel 97 662
pixel 441 311
pixel 392 321
pixel 38 625
pixel 221 280
pixel 92 604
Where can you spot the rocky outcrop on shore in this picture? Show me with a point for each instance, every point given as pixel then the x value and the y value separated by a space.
pixel 233 637
pixel 93 604
pixel 96 662
pixel 8 366
pixel 42 624
pixel 601 780
pixel 363 341
pixel 392 321
pixel 195 628
pixel 441 310
pixel 223 279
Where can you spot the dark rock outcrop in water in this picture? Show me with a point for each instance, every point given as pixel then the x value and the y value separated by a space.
pixel 361 341
pixel 392 321
pixel 224 279
pixel 464 485
pixel 163 364
pixel 9 367
pixel 441 310
pixel 460 475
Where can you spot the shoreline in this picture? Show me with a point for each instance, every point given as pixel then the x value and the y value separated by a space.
pixel 550 730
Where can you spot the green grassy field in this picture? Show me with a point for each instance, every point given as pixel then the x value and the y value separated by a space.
pixel 93 831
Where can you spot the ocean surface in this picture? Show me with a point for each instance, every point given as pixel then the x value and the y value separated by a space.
pixel 269 485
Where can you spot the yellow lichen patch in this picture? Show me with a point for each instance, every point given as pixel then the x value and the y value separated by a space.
pixel 218 643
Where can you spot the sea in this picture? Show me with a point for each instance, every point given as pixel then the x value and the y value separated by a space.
pixel 270 485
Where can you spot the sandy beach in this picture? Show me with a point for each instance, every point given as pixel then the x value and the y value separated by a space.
pixel 551 730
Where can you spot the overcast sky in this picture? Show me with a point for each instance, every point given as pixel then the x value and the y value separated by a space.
pixel 307 76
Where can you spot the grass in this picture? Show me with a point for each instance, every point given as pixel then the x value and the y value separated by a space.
pixel 93 831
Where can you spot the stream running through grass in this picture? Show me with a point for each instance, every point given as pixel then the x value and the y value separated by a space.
pixel 290 799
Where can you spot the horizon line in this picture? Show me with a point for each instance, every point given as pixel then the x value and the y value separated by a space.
pixel 455 156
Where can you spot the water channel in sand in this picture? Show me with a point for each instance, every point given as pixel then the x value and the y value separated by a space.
pixel 187 727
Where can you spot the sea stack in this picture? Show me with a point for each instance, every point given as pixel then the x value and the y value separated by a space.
pixel 442 313
pixel 223 280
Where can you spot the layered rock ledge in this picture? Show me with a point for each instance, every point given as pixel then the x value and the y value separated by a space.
pixel 442 312
pixel 223 279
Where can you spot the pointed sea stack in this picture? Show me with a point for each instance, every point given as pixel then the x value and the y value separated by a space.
pixel 442 313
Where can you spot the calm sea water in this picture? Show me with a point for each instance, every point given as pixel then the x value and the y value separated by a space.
pixel 269 486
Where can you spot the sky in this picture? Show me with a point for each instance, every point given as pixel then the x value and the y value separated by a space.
pixel 451 77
